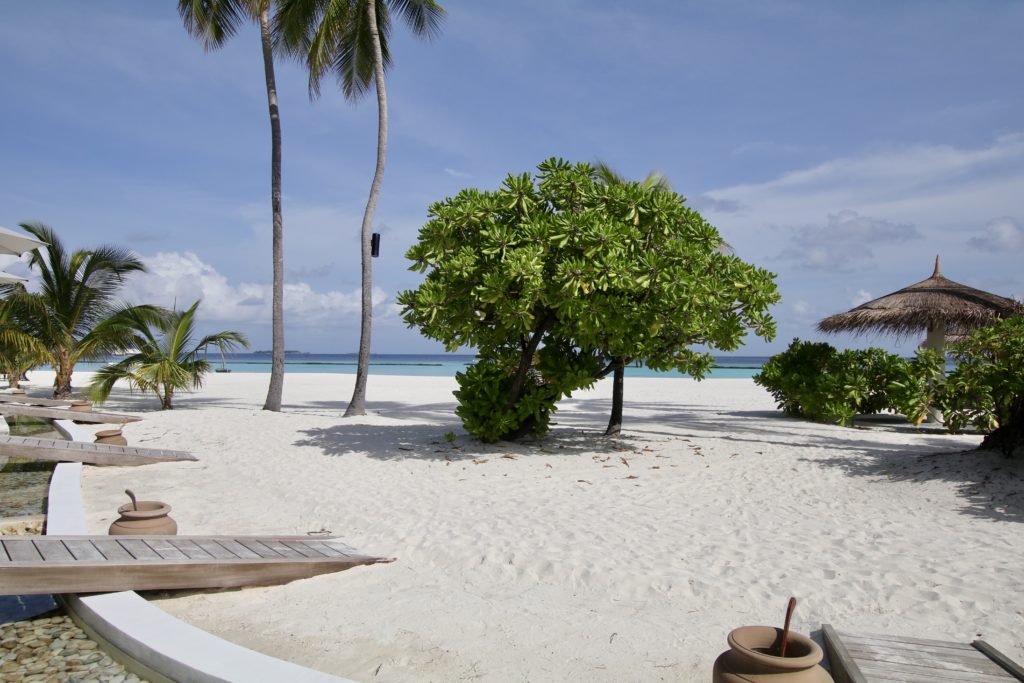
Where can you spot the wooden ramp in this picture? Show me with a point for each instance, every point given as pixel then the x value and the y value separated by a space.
pixel 91 453
pixel 20 409
pixel 90 564
pixel 27 400
pixel 870 658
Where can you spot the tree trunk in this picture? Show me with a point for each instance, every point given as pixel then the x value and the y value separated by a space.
pixel 357 406
pixel 167 398
pixel 1009 436
pixel 273 401
pixel 618 388
pixel 62 379
pixel 525 363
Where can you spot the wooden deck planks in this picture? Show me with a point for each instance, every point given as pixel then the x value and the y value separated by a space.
pixel 46 413
pixel 32 400
pixel 876 658
pixel 71 564
pixel 92 453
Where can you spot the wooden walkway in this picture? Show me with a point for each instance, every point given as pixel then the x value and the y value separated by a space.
pixel 870 658
pixel 20 409
pixel 88 564
pixel 32 400
pixel 91 453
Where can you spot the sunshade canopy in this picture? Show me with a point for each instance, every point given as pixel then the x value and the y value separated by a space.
pixel 933 304
pixel 17 244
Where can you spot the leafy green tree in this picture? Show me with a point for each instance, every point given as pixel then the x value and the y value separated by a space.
pixel 987 387
pixel 76 315
pixel 654 182
pixel 557 279
pixel 167 358
pixel 215 22
pixel 350 38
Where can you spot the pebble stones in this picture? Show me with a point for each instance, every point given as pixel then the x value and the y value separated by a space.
pixel 54 650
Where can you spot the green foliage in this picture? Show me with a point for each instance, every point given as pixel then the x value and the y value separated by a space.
pixel 814 380
pixel 76 313
pixel 569 262
pixel 167 360
pixel 18 351
pixel 986 389
pixel 485 388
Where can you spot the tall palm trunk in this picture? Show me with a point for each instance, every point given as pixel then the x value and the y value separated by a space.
pixel 277 358
pixel 357 406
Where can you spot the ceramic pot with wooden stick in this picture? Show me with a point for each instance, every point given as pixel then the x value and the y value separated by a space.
pixel 767 654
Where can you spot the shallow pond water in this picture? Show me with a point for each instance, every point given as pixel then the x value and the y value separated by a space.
pixel 24 483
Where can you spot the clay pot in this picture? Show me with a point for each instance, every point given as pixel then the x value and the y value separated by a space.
pixel 746 660
pixel 149 518
pixel 80 406
pixel 111 437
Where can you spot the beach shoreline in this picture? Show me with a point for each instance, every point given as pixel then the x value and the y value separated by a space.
pixel 575 557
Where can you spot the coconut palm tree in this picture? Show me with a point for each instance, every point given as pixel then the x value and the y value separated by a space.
pixel 215 22
pixel 166 359
pixel 75 315
pixel 349 38
pixel 18 351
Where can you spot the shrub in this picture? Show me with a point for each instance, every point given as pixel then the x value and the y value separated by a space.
pixel 814 380
pixel 986 389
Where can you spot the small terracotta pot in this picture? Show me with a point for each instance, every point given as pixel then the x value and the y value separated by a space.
pixel 80 406
pixel 747 659
pixel 110 437
pixel 150 518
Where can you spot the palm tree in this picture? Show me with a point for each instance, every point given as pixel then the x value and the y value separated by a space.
pixel 75 316
pixel 214 22
pixel 350 39
pixel 166 360
pixel 18 351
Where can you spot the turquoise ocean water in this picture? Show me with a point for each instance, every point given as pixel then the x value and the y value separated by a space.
pixel 430 365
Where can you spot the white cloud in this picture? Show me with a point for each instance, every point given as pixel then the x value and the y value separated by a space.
pixel 862 296
pixel 940 186
pixel 175 278
pixel 1001 234
pixel 845 240
pixel 801 308
pixel 457 174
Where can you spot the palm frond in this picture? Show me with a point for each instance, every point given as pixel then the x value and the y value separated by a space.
pixel 214 22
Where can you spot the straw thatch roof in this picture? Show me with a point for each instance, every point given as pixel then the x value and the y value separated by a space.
pixel 933 303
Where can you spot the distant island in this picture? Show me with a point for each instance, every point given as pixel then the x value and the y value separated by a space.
pixel 287 352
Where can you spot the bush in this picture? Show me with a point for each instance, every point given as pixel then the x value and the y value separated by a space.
pixel 987 388
pixel 815 381
pixel 484 390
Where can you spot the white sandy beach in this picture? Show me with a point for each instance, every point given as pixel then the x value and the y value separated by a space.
pixel 576 557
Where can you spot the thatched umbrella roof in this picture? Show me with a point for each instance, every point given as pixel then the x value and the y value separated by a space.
pixel 933 304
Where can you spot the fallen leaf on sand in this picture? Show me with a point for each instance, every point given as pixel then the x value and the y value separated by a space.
pixel 509 456
pixel 632 476
pixel 624 462
pixel 480 461
pixel 583 481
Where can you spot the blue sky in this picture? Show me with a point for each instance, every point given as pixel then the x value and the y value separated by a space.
pixel 841 144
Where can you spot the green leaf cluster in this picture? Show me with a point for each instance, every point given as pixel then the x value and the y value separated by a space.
pixel 818 382
pixel 167 357
pixel 986 389
pixel 590 269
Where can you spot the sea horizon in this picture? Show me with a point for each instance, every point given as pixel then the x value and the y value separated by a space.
pixel 421 364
